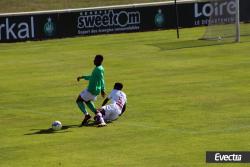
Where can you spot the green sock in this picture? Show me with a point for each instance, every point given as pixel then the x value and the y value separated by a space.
pixel 82 107
pixel 91 106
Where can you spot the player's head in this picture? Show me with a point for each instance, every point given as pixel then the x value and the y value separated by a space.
pixel 98 60
pixel 118 86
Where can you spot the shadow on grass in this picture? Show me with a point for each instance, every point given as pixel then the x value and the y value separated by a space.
pixel 63 130
pixel 51 131
pixel 189 44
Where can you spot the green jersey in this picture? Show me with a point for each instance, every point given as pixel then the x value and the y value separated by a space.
pixel 96 81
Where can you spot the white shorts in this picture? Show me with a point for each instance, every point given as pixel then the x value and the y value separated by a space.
pixel 112 112
pixel 87 96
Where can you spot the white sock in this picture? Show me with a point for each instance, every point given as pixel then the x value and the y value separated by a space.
pixel 101 118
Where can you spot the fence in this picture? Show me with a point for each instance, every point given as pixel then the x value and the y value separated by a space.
pixel 104 20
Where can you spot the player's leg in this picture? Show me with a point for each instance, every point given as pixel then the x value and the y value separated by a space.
pixel 91 106
pixel 112 113
pixel 80 103
pixel 99 118
pixel 88 98
pixel 82 98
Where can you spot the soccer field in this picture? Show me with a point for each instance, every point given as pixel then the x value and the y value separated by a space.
pixel 185 97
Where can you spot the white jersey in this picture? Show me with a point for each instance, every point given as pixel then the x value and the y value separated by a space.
pixel 114 109
pixel 118 97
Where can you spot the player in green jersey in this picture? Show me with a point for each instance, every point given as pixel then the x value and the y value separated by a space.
pixel 95 87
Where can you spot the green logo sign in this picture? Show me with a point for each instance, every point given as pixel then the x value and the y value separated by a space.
pixel 49 28
pixel 159 19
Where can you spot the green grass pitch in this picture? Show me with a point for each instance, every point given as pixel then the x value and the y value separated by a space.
pixel 185 97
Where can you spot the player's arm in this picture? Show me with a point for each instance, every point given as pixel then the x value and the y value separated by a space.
pixel 103 93
pixel 84 77
pixel 123 109
pixel 108 98
pixel 103 85
pixel 105 101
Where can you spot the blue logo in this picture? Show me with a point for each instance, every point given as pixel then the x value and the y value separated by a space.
pixel 159 19
pixel 49 28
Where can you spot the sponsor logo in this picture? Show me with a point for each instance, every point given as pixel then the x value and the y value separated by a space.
pixel 222 12
pixel 49 28
pixel 107 18
pixel 227 157
pixel 159 19
pixel 11 30
pixel 231 157
pixel 106 21
pixel 215 9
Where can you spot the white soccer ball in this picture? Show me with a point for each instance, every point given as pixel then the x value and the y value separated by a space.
pixel 56 125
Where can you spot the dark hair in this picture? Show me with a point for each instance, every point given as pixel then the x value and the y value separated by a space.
pixel 99 58
pixel 118 86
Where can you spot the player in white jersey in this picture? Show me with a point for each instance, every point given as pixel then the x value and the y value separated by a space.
pixel 114 109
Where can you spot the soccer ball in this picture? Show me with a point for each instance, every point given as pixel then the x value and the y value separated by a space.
pixel 56 125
